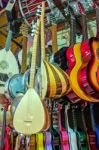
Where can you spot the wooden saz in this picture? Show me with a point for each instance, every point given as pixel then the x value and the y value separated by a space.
pixel 25 118
pixel 55 82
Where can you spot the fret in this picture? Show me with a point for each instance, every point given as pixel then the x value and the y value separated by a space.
pixel 84 29
pixel 42 33
pixel 24 55
pixel 72 31
pixel 33 59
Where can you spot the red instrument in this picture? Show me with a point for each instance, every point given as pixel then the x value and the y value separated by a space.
pixel 93 67
pixel 86 57
pixel 70 54
pixel 63 133
pixel 69 51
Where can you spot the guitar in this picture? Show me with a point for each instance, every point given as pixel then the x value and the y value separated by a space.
pixel 40 141
pixel 86 57
pixel 70 128
pixel 69 51
pixel 27 122
pixel 15 83
pixel 74 76
pixel 63 133
pixel 80 132
pixel 83 106
pixel 69 54
pixel 96 122
pixel 93 67
pixel 89 120
pixel 55 126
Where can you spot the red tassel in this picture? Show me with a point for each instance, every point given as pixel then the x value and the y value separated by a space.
pixel 7 139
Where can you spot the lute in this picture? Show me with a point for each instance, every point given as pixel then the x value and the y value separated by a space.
pixel 25 117
pixel 15 83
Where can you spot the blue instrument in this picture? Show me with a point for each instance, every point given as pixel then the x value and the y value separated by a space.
pixel 96 121
pixel 15 85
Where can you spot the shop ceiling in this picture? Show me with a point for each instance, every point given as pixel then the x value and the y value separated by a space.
pixel 56 13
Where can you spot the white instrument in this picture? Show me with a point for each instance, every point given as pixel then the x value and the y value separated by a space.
pixel 8 63
pixel 26 119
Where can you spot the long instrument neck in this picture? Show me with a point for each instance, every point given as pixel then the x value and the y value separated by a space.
pixel 42 33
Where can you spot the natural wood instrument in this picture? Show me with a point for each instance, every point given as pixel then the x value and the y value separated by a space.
pixel 25 117
pixel 54 81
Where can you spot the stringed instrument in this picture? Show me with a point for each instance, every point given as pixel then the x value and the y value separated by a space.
pixel 70 128
pixel 69 53
pixel 74 76
pixel 83 106
pixel 63 132
pixel 25 117
pixel 25 83
pixel 15 83
pixel 93 66
pixel 95 111
pixel 80 132
pixel 55 82
pixel 7 67
pixel 51 79
pixel 47 134
pixel 56 144
pixel 86 57
pixel 89 120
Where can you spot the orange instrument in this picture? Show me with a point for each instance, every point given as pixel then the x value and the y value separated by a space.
pixel 93 67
